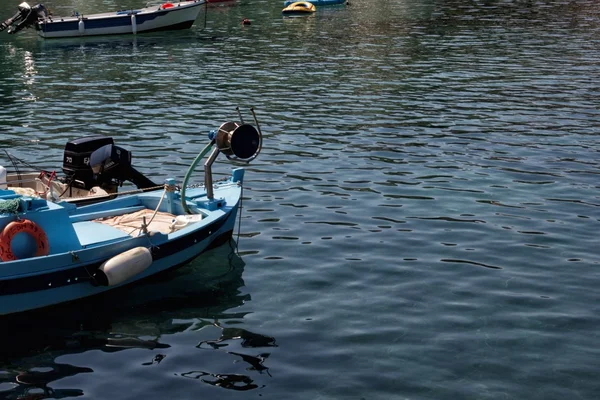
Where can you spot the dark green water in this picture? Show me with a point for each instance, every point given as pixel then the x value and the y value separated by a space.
pixel 422 223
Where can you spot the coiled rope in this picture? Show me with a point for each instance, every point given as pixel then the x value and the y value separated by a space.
pixel 10 206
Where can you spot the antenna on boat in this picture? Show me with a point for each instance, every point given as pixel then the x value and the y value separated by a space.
pixel 239 142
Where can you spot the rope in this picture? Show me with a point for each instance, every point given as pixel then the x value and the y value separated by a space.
pixel 15 166
pixel 9 206
pixel 68 186
pixel 99 196
pixel 234 244
pixel 133 191
pixel 157 207
pixel 14 161
pixel 241 206
pixel 153 214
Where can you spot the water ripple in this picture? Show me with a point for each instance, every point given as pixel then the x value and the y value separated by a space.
pixel 406 142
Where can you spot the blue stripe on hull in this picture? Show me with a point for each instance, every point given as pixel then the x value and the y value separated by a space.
pixel 181 25
pixel 174 27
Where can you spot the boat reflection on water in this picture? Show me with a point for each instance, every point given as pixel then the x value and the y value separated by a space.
pixel 93 43
pixel 46 50
pixel 145 316
pixel 246 339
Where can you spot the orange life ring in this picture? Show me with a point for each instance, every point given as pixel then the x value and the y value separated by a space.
pixel 23 226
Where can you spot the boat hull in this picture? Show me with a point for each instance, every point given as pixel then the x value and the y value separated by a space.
pixel 65 276
pixel 152 19
pixel 50 296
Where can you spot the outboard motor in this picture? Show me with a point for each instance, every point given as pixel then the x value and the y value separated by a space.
pixel 96 161
pixel 26 17
pixel 112 165
pixel 76 160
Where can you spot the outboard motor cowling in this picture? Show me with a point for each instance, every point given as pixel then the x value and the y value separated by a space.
pixel 96 161
pixel 76 161
pixel 110 160
pixel 112 165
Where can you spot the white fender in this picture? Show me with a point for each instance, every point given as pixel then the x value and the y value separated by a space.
pixel 81 26
pixel 126 265
pixel 133 24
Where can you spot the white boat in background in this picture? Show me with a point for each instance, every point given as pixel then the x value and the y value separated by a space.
pixel 166 16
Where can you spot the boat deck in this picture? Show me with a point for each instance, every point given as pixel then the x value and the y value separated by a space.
pixel 92 233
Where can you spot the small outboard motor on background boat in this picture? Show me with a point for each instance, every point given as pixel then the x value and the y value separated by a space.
pixel 96 161
pixel 26 17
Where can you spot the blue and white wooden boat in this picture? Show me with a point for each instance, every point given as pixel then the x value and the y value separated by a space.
pixel 166 16
pixel 54 253
pixel 317 2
